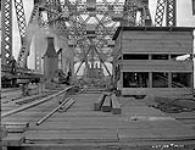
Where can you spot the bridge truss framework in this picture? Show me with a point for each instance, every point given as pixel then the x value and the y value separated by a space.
pixel 87 24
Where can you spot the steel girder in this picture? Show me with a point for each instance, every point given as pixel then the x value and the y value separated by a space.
pixel 171 13
pixel 170 6
pixel 160 9
pixel 25 47
pixel 20 18
pixel 6 27
pixel 130 13
pixel 22 61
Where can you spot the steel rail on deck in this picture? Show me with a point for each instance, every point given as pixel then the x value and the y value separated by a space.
pixel 56 109
pixel 67 103
pixel 33 104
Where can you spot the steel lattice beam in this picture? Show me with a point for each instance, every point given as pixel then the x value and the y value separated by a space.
pixel 6 27
pixel 160 9
pixel 170 6
pixel 20 18
pixel 25 48
pixel 171 13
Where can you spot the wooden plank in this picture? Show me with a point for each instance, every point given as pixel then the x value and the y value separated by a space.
pixel 178 92
pixel 33 104
pixel 25 116
pixel 67 136
pixel 154 46
pixel 106 106
pixel 99 102
pixel 116 109
pixel 13 139
pixel 16 127
pixel 29 99
pixel 157 134
pixel 24 124
pixel 157 35
pixel 157 65
pixel 3 131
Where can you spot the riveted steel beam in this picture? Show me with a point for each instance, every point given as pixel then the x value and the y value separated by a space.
pixel 171 13
pixel 160 9
pixel 6 28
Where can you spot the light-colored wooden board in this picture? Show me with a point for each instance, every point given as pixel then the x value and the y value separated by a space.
pixel 116 109
pixel 72 136
pixel 106 106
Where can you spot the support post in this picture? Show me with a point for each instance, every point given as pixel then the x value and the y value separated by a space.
pixel 6 24
pixel 150 79
pixel 171 13
pixel 169 80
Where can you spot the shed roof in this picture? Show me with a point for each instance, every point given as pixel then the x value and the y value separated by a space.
pixel 170 29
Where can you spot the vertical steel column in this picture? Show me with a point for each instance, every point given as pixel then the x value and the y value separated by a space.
pixel 130 13
pixel 34 18
pixel 20 18
pixel 193 7
pixel 160 12
pixel 171 13
pixel 147 18
pixel 6 27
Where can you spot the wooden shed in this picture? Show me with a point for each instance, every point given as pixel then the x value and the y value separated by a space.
pixel 146 60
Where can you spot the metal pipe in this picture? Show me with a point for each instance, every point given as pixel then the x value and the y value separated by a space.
pixel 52 112
pixel 33 104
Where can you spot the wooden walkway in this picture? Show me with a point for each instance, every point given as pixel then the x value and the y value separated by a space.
pixel 82 127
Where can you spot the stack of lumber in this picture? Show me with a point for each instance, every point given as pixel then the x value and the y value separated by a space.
pixel 108 103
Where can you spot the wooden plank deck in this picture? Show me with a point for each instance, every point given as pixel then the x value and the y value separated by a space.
pixel 137 124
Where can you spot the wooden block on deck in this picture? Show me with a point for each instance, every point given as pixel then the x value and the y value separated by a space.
pixel 106 106
pixel 116 109
pixel 24 124
pixel 13 140
pixel 99 102
pixel 3 131
pixel 71 136
pixel 15 127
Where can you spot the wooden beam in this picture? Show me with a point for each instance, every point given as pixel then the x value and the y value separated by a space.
pixel 99 102
pixel 33 104
pixel 16 127
pixel 65 107
pixel 116 109
pixel 106 107
pixel 24 124
pixel 29 99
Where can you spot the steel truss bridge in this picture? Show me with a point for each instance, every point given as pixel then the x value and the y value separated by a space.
pixel 88 25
